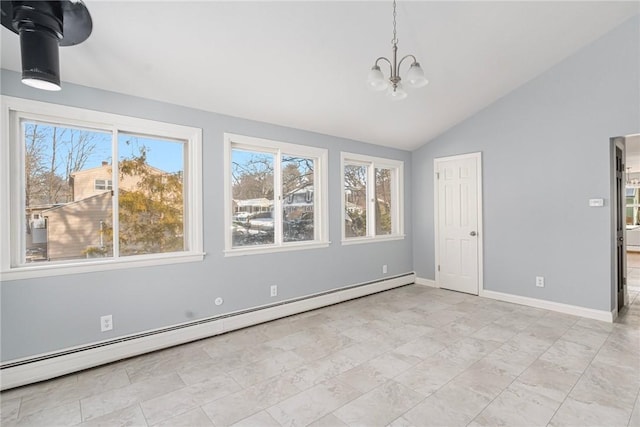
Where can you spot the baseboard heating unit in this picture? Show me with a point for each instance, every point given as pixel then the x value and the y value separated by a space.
pixel 15 373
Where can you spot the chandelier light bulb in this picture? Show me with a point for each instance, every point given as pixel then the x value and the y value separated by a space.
pixel 415 76
pixel 397 93
pixel 376 80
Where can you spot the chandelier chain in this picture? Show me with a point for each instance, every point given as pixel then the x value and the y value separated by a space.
pixel 395 38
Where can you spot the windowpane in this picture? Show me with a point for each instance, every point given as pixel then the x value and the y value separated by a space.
pixel 383 201
pixel 298 201
pixel 372 191
pixel 151 195
pixel 64 199
pixel 103 184
pixel 252 181
pixel 66 216
pixel 355 192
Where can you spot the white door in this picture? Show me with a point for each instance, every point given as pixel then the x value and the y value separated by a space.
pixel 458 239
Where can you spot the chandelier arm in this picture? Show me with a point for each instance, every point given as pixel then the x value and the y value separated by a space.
pixel 382 58
pixel 405 57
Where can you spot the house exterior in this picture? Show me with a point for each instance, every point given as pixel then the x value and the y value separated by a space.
pixel 250 206
pixel 299 201
pixel 74 227
pixel 89 182
pixel 81 228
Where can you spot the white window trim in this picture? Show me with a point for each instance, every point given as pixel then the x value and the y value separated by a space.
pixel 12 185
pixel 321 214
pixel 397 197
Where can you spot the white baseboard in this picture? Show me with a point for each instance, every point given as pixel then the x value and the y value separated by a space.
pixel 575 310
pixel 53 365
pixel 426 282
pixel 590 313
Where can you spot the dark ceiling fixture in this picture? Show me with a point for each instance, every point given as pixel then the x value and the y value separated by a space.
pixel 43 26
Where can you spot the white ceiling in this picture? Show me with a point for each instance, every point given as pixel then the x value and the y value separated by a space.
pixel 304 64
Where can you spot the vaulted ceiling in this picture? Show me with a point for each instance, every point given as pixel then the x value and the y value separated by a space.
pixel 304 64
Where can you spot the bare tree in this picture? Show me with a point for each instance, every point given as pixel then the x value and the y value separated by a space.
pixel 383 201
pixel 34 165
pixel 355 185
pixel 297 174
pixel 52 154
pixel 80 147
pixel 253 179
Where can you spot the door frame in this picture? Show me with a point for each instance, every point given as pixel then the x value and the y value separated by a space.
pixel 617 142
pixel 480 239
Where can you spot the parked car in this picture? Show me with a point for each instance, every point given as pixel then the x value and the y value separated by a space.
pixel 242 216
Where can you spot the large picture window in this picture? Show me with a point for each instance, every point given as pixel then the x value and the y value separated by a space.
pixel 275 195
pixel 372 198
pixel 92 191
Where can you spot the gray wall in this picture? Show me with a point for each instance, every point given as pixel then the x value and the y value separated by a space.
pixel 40 315
pixel 545 149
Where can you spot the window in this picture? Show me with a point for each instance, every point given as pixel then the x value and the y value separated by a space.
pixel 372 198
pixel 103 184
pixel 72 208
pixel 274 196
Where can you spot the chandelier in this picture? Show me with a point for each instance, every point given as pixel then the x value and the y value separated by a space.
pixel 415 75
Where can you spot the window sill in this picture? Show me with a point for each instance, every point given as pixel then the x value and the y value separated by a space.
pixel 273 249
pixel 377 239
pixel 35 271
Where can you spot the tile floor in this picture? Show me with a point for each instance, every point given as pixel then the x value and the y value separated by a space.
pixel 633 270
pixel 413 356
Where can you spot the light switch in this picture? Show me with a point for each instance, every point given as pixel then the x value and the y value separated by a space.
pixel 596 203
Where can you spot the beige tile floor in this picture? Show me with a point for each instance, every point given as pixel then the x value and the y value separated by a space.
pixel 633 270
pixel 413 356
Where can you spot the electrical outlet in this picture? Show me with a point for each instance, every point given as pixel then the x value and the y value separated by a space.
pixel 384 269
pixel 218 301
pixel 106 323
pixel 274 290
pixel 540 281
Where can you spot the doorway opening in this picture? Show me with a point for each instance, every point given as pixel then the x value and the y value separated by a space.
pixel 625 209
pixel 632 211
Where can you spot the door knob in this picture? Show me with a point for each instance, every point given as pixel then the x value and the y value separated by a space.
pixel 473 233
